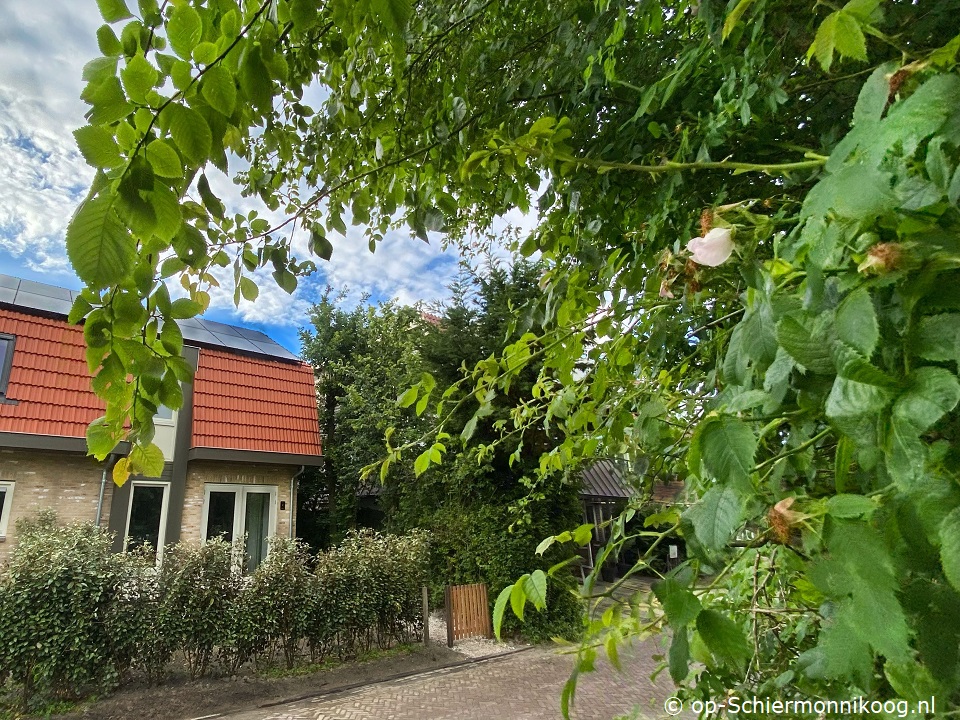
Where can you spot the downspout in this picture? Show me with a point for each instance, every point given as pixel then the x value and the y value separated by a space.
pixel 103 487
pixel 293 485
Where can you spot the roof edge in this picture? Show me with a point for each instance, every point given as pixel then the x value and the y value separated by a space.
pixel 253 456
pixel 60 443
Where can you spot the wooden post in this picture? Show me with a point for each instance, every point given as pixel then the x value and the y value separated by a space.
pixel 426 616
pixel 448 602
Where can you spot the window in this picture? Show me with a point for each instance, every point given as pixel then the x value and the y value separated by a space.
pixel 6 500
pixel 164 415
pixel 6 362
pixel 147 516
pixel 235 511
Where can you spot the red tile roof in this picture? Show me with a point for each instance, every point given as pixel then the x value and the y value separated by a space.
pixel 49 378
pixel 250 403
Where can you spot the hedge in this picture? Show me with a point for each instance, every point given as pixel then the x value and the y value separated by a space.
pixel 77 619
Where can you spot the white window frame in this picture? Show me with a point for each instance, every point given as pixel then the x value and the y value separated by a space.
pixel 164 506
pixel 7 485
pixel 239 506
pixel 169 422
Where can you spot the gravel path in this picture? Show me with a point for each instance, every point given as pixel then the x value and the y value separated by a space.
pixel 471 647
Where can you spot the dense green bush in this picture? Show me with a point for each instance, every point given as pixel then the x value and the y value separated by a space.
pixel 199 586
pixel 469 547
pixel 76 618
pixel 56 597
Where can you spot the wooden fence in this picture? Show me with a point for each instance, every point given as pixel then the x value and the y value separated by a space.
pixel 468 612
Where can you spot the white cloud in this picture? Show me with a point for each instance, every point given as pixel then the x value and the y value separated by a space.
pixel 43 47
pixel 42 177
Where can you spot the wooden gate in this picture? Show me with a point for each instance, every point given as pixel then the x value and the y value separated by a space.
pixel 468 613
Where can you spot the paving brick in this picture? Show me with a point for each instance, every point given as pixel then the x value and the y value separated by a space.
pixel 523 686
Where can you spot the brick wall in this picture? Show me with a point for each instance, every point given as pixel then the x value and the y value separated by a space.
pixel 67 483
pixel 201 472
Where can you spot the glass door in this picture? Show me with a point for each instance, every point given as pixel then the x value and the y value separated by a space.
pixel 241 511
pixel 257 525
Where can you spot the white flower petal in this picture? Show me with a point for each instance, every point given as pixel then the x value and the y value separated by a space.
pixel 713 249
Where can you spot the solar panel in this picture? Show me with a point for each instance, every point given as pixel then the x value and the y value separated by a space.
pixel 50 299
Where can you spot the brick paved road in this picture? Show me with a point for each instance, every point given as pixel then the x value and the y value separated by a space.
pixel 524 686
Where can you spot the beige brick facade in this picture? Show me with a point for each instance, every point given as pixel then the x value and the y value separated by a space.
pixel 67 483
pixel 201 472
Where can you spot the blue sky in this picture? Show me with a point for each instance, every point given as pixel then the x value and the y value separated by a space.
pixel 43 47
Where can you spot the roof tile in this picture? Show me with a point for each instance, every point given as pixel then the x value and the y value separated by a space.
pixel 250 403
pixel 48 379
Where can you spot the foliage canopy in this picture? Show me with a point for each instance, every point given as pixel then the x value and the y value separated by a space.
pixel 807 387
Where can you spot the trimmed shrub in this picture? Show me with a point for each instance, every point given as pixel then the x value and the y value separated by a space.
pixel 275 604
pixel 198 587
pixel 56 595
pixel 76 618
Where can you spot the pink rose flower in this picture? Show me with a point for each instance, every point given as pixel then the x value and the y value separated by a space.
pixel 713 249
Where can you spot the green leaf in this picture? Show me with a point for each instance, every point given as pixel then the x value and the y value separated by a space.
pixel 219 89
pixel 147 460
pixel 728 447
pixel 931 393
pixel 535 588
pixel 680 605
pixel 393 15
pixel 100 439
pixel 842 459
pixel 545 544
pixel 498 609
pixel 163 159
pixel 171 337
pixel 862 9
pixel 98 245
pixel 848 37
pixel 733 18
pixel 824 42
pixel 610 645
pixel 850 506
pixel 422 463
pixel 409 397
pixel 938 338
pixel 113 10
pixel 255 80
pixel 98 147
pixel 249 289
pixel 191 133
pixel 722 637
pixel 210 200
pixel 716 517
pixel 911 681
pixel 518 596
pixel 139 77
pixel 679 656
pixel 205 53
pixel 854 407
pixel 422 404
pixel 184 308
pixel 858 572
pixel 109 103
pixel 108 42
pixel 807 349
pixel 166 208
pixel 583 534
pixel 319 245
pixel 184 30
pixel 857 322
pixel 469 428
pixel 950 548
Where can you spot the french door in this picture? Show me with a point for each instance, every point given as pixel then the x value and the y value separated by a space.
pixel 234 511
